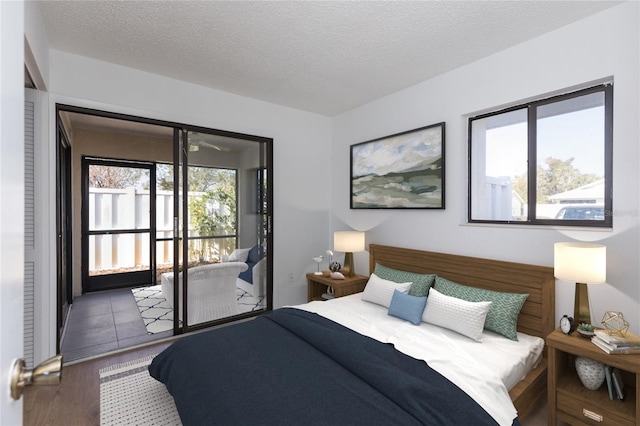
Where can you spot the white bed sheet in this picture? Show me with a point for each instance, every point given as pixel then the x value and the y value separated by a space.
pixel 484 370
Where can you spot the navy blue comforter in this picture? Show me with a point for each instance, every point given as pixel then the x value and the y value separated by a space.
pixel 292 367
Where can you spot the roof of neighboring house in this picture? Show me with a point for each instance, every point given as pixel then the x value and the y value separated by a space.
pixel 593 190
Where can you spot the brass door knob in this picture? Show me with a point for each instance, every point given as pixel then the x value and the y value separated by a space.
pixel 48 372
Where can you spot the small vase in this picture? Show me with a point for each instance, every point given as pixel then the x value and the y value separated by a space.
pixel 590 372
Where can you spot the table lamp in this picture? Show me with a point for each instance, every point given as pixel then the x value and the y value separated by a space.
pixel 582 263
pixel 348 242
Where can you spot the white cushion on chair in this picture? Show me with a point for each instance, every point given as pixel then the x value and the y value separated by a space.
pixel 239 255
pixel 211 290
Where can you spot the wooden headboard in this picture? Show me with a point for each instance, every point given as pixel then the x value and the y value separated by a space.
pixel 537 316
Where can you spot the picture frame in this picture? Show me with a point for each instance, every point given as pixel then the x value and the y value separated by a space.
pixel 401 171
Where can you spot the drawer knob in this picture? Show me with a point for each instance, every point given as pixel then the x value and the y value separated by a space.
pixel 591 415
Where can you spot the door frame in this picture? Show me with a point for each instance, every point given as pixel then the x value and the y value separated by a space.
pixel 64 240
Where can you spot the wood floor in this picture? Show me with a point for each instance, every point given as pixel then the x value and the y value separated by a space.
pixel 76 401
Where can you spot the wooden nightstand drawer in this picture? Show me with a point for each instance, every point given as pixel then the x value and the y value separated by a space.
pixel 585 412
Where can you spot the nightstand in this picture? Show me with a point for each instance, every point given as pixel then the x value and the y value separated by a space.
pixel 319 284
pixel 571 402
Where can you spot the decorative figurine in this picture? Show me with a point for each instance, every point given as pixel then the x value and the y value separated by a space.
pixel 615 323
pixel 318 260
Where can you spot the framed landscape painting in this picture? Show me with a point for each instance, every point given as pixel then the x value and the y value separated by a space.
pixel 401 171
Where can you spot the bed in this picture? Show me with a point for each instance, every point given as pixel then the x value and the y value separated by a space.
pixel 348 361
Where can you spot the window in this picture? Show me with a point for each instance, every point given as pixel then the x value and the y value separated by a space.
pixel 548 162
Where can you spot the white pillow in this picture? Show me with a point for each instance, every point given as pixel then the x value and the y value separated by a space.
pixel 380 291
pixel 239 255
pixel 466 318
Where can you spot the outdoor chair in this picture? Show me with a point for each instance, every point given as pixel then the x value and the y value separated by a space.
pixel 211 291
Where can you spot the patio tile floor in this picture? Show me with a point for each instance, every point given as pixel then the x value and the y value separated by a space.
pixel 102 322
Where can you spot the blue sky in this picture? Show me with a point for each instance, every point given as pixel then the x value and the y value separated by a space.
pixel 577 134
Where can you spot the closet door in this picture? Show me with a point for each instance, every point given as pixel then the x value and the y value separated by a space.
pixel 30 243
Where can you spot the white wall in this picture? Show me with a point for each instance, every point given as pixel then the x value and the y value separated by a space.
pixel 604 45
pixel 301 146
pixel 36 45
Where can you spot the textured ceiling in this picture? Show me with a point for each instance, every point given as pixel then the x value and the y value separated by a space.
pixel 325 57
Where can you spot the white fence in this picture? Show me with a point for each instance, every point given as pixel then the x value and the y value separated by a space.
pixel 500 202
pixel 120 209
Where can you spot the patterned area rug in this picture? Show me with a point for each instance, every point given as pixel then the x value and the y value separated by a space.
pixel 130 396
pixel 157 314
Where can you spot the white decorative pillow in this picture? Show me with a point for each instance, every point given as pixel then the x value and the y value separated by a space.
pixel 239 255
pixel 380 291
pixel 466 318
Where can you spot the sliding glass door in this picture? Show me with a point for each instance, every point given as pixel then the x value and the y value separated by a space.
pixel 178 214
pixel 222 241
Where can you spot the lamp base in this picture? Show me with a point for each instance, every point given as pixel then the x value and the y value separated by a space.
pixel 348 270
pixel 581 312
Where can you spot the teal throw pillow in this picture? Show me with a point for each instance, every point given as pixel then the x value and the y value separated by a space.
pixel 421 282
pixel 409 308
pixel 505 307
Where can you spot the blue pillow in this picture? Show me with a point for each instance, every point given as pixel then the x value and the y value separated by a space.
pixel 407 307
pixel 255 254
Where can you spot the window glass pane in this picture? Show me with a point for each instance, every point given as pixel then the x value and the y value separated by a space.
pixel 118 198
pixel 499 167
pixel 164 217
pixel 211 232
pixel 212 212
pixel 570 159
pixel 118 253
pixel 203 251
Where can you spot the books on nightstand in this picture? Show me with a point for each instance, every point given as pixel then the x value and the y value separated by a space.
pixel 609 378
pixel 614 344
pixel 615 384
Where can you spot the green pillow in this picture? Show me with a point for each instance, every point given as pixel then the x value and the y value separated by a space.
pixel 421 282
pixel 505 307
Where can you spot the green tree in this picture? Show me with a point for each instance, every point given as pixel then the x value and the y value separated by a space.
pixel 164 177
pixel 114 177
pixel 212 212
pixel 212 207
pixel 554 177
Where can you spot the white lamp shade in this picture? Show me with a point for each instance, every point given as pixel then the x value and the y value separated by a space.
pixel 348 241
pixel 580 262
